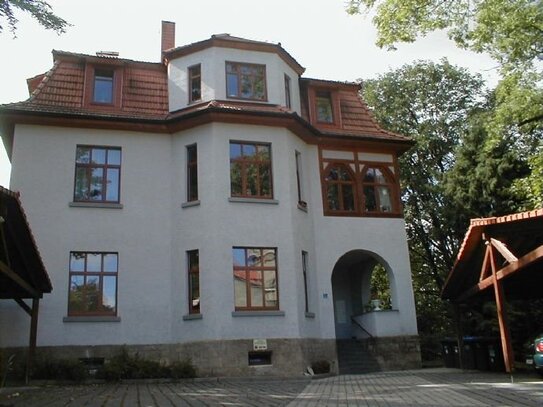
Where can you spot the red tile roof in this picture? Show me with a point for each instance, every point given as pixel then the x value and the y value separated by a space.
pixel 60 92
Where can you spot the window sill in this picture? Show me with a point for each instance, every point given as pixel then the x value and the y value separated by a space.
pixel 258 313
pixel 105 318
pixel 310 315
pixel 190 317
pixel 105 205
pixel 190 203
pixel 254 200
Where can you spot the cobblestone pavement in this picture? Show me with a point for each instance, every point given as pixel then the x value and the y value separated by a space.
pixel 434 387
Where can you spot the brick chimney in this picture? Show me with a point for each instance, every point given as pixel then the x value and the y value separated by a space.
pixel 168 36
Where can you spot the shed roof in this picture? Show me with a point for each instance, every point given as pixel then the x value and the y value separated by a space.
pixel 22 273
pixel 520 234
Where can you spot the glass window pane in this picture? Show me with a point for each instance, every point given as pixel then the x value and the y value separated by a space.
pixel 193 259
pixel 94 262
pixel 332 195
pixel 96 184
pixel 76 300
pixel 369 195
pixel 384 199
pixel 259 89
pixel 235 179
pixel 235 150
pixel 379 176
pixel 270 288
pixel 109 297
pixel 254 257
pixel 103 87
pixel 265 180
pixel 263 152
pixel 82 155
pixel 114 157
pixel 98 156
pixel 370 175
pixel 246 87
pixel 348 197
pixel 239 256
pixel 77 262
pixel 110 263
pixel 231 68
pixel 93 294
pixel 195 291
pixel 240 289
pixel 344 175
pixel 231 85
pixel 268 256
pixel 191 153
pixel 324 107
pixel 249 150
pixel 252 180
pixel 112 186
pixel 257 299
pixel 81 184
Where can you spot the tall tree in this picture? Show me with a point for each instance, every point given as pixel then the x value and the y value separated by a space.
pixel 430 103
pixel 510 31
pixel 38 9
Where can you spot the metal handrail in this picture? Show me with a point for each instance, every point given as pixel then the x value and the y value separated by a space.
pixel 361 327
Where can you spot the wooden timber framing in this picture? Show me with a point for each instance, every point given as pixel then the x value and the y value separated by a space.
pixel 505 254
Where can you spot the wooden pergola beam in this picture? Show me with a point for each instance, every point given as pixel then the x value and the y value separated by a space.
pixel 504 272
pixel 505 335
pixel 8 272
pixel 504 251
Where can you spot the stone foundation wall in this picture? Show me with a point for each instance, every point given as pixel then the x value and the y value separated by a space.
pixel 289 357
pixel 396 352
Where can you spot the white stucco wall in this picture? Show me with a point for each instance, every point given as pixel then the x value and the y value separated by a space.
pixel 153 231
pixel 213 70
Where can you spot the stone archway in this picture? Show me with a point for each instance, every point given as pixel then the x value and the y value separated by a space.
pixel 352 293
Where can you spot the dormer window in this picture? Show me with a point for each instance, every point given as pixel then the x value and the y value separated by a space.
pixel 103 86
pixel 195 83
pixel 324 108
pixel 246 81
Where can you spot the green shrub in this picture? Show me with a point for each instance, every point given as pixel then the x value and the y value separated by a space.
pixel 59 369
pixel 123 366
pixel 182 369
pixel 320 366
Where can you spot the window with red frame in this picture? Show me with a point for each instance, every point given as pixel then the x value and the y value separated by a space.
pixel 93 284
pixel 246 81
pixel 340 189
pixel 255 278
pixel 377 189
pixel 97 174
pixel 251 170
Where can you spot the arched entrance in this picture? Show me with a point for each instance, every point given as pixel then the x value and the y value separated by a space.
pixel 353 292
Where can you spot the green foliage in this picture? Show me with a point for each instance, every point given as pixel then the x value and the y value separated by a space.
pixel 430 103
pixel 510 31
pixel 380 286
pixel 125 366
pixel 38 9
pixel 183 369
pixel 59 369
pixel 320 366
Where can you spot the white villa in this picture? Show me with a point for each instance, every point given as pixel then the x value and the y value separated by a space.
pixel 215 205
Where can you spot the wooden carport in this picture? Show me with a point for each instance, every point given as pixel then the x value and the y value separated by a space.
pixel 500 257
pixel 22 273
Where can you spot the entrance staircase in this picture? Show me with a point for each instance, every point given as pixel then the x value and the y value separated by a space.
pixel 355 356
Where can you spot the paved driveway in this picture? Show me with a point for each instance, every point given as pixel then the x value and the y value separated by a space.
pixel 433 387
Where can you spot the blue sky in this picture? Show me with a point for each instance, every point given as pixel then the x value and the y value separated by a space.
pixel 322 37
